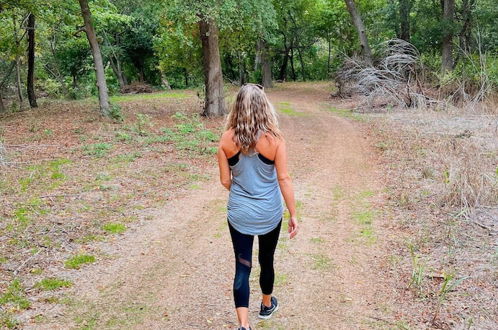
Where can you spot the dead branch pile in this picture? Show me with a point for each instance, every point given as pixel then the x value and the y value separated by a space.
pixel 393 80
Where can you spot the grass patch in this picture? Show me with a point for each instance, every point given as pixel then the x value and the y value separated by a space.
pixel 78 260
pixel 114 228
pixel 15 296
pixel 321 262
pixel 281 279
pixel 52 283
pixel 286 108
pixel 97 150
pixel 346 113
pixel 317 240
pixel 149 96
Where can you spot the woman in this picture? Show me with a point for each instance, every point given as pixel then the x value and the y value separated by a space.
pixel 253 165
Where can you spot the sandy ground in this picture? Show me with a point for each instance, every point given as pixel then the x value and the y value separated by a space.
pixel 175 272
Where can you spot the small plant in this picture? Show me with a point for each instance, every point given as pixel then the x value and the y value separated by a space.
pixel 115 112
pixel 142 124
pixel 77 261
pixel 15 295
pixel 320 262
pixel 52 283
pixel 123 137
pixel 114 228
pixel 449 284
pixel 98 150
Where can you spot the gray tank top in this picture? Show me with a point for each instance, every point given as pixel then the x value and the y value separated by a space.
pixel 255 203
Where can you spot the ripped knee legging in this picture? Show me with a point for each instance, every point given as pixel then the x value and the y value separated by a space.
pixel 242 245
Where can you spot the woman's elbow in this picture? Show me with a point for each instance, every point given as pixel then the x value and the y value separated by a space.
pixel 226 183
pixel 284 179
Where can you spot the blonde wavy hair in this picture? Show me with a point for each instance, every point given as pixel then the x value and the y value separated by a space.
pixel 251 115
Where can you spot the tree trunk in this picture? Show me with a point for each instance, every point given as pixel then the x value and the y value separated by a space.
pixel 31 61
pixel 214 104
pixel 242 70
pixel 447 44
pixel 329 53
pixel 2 106
pixel 118 73
pixel 265 65
pixel 405 7
pixel 303 71
pixel 283 69
pixel 97 58
pixel 293 70
pixel 18 64
pixel 360 28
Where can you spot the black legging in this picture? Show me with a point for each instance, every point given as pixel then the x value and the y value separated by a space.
pixel 242 246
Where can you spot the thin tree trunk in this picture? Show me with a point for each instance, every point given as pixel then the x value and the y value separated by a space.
pixel 185 75
pixel 329 53
pixel 447 44
pixel 242 70
pixel 118 73
pixel 97 57
pixel 360 28
pixel 18 65
pixel 303 71
pixel 2 106
pixel 31 61
pixel 293 70
pixel 283 69
pixel 214 104
pixel 405 7
pixel 266 64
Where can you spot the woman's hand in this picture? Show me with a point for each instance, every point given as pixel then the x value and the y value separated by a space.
pixel 292 227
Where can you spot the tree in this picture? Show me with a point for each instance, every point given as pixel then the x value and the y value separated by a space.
pixel 214 104
pixel 31 61
pixel 97 57
pixel 360 28
pixel 405 7
pixel 447 42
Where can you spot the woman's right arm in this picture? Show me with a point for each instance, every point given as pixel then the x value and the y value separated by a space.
pixel 285 182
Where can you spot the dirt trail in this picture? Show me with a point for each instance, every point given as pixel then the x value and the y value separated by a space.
pixel 175 272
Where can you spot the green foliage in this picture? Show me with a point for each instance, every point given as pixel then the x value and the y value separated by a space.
pixel 78 260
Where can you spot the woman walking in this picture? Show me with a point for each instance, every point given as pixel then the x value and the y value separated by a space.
pixel 252 159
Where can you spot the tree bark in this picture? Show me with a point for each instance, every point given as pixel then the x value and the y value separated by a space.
pixel 31 61
pixel 214 104
pixel 97 58
pixel 283 69
pixel 405 7
pixel 447 42
pixel 2 106
pixel 265 65
pixel 18 64
pixel 117 72
pixel 303 70
pixel 293 70
pixel 329 53
pixel 242 70
pixel 360 28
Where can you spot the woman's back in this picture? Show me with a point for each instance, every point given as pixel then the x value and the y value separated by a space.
pixel 255 203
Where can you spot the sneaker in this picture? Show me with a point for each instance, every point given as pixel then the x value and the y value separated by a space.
pixel 266 312
pixel 242 328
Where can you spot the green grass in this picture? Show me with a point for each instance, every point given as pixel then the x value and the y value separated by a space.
pixel 281 279
pixel 114 228
pixel 98 150
pixel 321 262
pixel 15 295
pixel 52 283
pixel 317 240
pixel 346 113
pixel 149 96
pixel 78 260
pixel 286 108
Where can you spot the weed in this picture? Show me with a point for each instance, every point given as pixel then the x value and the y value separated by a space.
pixel 148 96
pixel 115 112
pixel 114 228
pixel 449 284
pixel 317 240
pixel 98 150
pixel 127 157
pixel 123 137
pixel 142 124
pixel 52 283
pixel 77 261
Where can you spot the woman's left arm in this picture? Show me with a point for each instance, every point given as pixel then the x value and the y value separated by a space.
pixel 225 175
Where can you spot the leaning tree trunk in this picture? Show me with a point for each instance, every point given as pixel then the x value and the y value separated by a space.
pixel 265 64
pixel 360 28
pixel 405 7
pixel 447 44
pixel 97 58
pixel 214 104
pixel 31 61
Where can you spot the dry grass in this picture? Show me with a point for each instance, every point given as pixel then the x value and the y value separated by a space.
pixel 443 184
pixel 70 175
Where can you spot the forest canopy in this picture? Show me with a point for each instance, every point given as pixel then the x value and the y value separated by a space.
pixel 166 44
